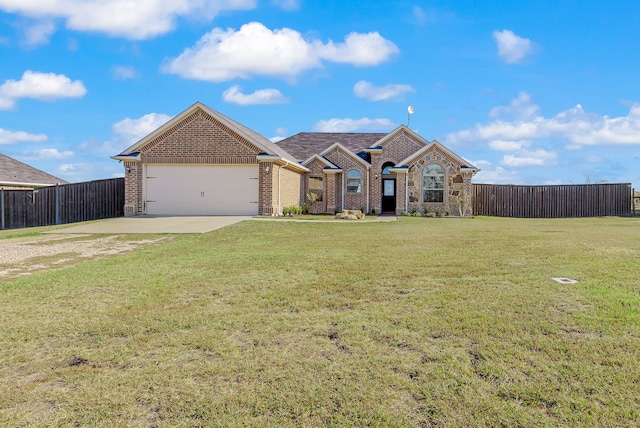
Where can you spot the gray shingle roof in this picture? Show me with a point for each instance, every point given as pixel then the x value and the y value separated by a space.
pixel 14 171
pixel 306 144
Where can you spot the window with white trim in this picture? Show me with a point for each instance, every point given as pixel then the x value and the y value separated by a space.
pixel 316 186
pixel 354 181
pixel 433 183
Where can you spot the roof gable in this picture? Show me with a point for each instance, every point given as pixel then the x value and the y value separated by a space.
pixel 261 144
pixel 392 136
pixel 15 172
pixel 347 152
pixel 435 144
pixel 322 160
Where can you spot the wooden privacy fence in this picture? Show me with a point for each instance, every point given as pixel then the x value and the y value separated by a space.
pixel 61 204
pixel 561 201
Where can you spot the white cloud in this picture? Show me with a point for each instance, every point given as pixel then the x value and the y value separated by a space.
pixel 351 125
pixel 122 72
pixel 287 5
pixel 49 154
pixel 358 49
pixel 280 135
pixel 39 86
pixel 512 48
pixel 223 55
pixel 234 95
pixel 419 15
pixel 508 146
pixel 135 129
pixel 140 19
pixel 531 158
pixel 490 174
pixel 574 126
pixel 521 108
pixel 38 34
pixel 127 132
pixel 366 90
pixel 11 137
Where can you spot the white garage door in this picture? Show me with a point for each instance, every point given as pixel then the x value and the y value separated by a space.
pixel 202 189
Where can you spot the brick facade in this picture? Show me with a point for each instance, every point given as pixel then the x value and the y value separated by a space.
pixel 201 136
pixel 400 147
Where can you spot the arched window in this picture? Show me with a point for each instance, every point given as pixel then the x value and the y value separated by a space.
pixel 433 183
pixel 354 181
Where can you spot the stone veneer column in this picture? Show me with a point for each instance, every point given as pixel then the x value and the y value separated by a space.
pixel 468 187
pixel 401 189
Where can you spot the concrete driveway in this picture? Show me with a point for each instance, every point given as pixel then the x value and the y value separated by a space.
pixel 154 224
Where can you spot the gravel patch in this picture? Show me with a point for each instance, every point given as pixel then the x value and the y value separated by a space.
pixel 22 256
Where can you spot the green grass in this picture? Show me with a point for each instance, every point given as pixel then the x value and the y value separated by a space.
pixel 419 322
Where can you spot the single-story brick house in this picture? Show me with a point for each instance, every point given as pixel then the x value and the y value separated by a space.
pixel 15 175
pixel 203 163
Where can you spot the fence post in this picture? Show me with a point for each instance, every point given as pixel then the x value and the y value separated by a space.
pixel 2 208
pixel 57 203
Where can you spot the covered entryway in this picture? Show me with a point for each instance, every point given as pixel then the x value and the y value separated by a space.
pixel 388 201
pixel 388 195
pixel 201 189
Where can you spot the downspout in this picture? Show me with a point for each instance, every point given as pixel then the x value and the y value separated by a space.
pixel 406 191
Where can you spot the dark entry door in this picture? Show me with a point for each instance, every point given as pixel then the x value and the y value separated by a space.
pixel 388 195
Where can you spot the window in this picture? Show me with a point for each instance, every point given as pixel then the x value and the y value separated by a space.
pixel 354 181
pixel 316 187
pixel 433 183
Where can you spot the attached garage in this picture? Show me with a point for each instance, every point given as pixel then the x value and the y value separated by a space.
pixel 203 163
pixel 201 189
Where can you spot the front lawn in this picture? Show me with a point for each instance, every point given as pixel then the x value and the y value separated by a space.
pixel 418 322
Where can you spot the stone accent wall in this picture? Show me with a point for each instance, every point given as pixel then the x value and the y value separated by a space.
pixel 401 180
pixel 455 183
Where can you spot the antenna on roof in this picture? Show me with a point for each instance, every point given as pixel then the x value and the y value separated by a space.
pixel 409 113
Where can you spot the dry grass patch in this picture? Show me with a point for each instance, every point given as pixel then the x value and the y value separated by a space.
pixel 419 322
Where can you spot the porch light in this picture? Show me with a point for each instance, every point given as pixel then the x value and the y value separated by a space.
pixel 266 169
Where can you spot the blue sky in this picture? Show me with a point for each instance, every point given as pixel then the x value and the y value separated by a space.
pixel 531 92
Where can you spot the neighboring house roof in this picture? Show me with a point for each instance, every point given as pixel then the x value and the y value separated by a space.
pixel 266 146
pixel 16 173
pixel 305 144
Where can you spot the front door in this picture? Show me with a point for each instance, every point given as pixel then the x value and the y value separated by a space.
pixel 389 195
